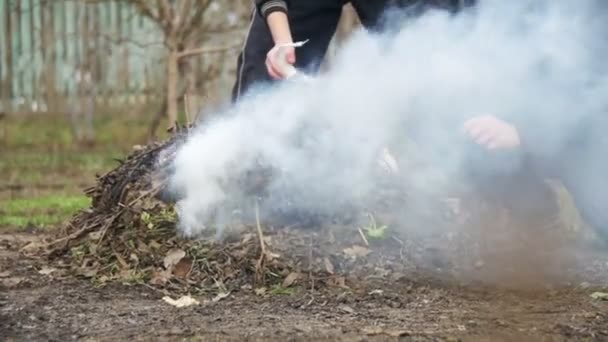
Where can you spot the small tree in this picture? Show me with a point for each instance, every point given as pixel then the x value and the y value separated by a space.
pixel 185 29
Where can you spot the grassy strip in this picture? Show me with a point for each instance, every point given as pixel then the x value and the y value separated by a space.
pixel 44 212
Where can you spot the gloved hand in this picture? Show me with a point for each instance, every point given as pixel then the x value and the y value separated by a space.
pixel 281 58
pixel 492 132
pixel 276 59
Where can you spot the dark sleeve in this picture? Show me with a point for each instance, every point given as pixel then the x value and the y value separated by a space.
pixel 265 7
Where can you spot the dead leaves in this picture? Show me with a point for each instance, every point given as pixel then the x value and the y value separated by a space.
pixel 182 302
pixel 292 278
pixel 220 296
pixel 337 282
pixel 183 268
pixel 9 282
pixel 329 267
pixel 12 282
pixel 47 270
pixel 176 264
pixel 173 257
pixel 599 295
pixel 375 331
pixel 346 308
pixel 160 278
pixel 356 252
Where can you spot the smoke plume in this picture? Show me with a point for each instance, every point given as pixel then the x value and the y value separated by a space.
pixel 539 64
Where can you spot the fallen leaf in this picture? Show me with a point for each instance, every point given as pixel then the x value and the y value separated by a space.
pixel 121 261
pixel 154 245
pixel 291 279
pixel 173 257
pixel 373 330
pixel 398 333
pixel 338 282
pixel 220 296
pixel 87 272
pixel 600 295
pixel 247 237
pixel 260 291
pixel 47 270
pixel 11 282
pixel 95 235
pixel 142 247
pixel 33 247
pixel 376 292
pixel 347 309
pixel 183 301
pixel 176 331
pixel 329 266
pixel 356 251
pixel 183 268
pixel 271 256
pixel 5 274
pixel 103 279
pixel 160 277
pixel 383 331
pixel 133 257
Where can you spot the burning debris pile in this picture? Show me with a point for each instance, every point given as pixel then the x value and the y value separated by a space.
pixel 129 235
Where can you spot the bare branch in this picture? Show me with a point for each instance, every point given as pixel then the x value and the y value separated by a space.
pixel 200 51
pixel 142 6
pixel 182 12
pixel 195 19
pixel 165 15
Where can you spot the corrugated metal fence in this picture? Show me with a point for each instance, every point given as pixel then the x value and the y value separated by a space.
pixel 51 49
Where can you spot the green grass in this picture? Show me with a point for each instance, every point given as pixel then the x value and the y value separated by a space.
pixel 43 170
pixel 53 132
pixel 43 211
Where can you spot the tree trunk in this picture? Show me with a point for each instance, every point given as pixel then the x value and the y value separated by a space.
pixel 172 80
pixel 48 54
pixel 7 88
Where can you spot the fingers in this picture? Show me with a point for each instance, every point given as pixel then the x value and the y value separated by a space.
pixel 482 131
pixel 291 56
pixel 491 132
pixel 273 65
pixel 274 74
pixel 272 70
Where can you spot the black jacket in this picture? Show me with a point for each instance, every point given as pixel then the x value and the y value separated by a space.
pixel 265 7
pixel 369 8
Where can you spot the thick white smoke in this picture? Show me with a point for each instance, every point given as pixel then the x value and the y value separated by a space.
pixel 536 63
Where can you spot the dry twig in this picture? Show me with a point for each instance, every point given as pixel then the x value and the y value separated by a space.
pixel 259 267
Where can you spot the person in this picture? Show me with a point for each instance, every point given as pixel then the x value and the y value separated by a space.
pixel 277 22
pixel 570 148
pixel 577 160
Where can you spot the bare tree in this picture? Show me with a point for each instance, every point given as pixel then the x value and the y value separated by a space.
pixel 184 27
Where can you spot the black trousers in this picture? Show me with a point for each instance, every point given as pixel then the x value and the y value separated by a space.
pixel 316 20
pixel 517 178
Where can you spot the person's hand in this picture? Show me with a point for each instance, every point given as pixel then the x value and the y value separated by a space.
pixel 492 132
pixel 274 64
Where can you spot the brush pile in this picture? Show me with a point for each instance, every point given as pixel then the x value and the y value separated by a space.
pixel 129 235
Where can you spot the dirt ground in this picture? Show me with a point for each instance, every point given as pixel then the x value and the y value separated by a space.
pixel 35 306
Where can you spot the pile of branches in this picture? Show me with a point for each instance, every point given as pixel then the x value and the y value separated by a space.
pixel 129 235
